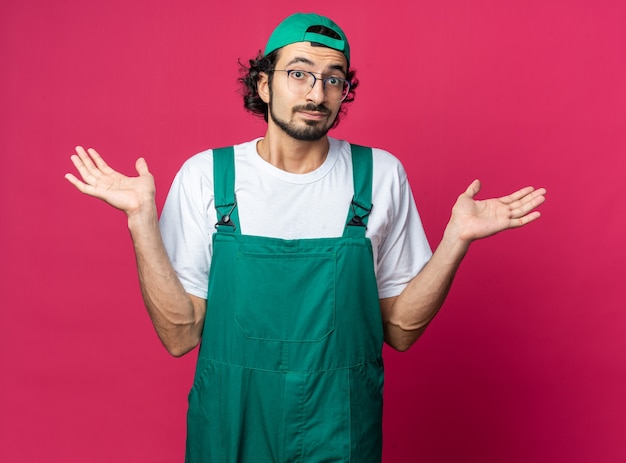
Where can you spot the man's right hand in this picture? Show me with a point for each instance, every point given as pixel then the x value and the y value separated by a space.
pixel 129 194
pixel 177 316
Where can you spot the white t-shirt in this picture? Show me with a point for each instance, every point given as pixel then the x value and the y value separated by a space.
pixel 275 203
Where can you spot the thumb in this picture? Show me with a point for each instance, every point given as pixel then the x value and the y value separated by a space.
pixel 142 166
pixel 473 189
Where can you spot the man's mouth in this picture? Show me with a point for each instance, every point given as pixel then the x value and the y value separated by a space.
pixel 313 110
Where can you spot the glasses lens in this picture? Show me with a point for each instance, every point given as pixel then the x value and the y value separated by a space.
pixel 301 82
pixel 336 88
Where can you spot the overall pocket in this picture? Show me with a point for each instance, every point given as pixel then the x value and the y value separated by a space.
pixel 286 296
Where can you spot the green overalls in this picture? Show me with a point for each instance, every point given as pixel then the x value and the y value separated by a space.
pixel 290 365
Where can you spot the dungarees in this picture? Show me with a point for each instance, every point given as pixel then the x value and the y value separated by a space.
pixel 290 365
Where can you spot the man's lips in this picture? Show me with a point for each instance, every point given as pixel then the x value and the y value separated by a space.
pixel 313 114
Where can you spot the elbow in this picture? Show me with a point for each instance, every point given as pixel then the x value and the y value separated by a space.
pixel 176 351
pixel 179 348
pixel 401 339
pixel 400 345
pixel 179 339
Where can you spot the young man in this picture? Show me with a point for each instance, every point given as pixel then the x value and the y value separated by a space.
pixel 292 257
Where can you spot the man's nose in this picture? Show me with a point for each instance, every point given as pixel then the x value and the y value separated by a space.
pixel 317 94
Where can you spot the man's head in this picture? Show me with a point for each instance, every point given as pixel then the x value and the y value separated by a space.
pixel 314 45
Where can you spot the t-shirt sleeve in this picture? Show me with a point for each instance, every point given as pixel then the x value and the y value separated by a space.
pixel 187 223
pixel 403 248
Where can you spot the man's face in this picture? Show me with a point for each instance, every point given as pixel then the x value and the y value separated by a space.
pixel 309 116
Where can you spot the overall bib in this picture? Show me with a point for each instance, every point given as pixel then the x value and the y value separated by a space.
pixel 290 364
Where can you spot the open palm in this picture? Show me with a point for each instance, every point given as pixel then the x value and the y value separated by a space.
pixel 99 180
pixel 477 219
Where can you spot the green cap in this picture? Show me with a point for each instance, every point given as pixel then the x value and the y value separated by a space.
pixel 305 27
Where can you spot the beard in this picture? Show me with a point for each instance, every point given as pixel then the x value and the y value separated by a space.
pixel 311 131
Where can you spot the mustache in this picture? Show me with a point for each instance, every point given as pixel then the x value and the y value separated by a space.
pixel 312 108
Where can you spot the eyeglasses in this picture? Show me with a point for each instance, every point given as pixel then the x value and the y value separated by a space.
pixel 301 82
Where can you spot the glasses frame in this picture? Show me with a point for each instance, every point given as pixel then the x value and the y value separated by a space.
pixel 347 83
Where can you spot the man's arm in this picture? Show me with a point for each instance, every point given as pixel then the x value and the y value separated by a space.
pixel 178 317
pixel 406 316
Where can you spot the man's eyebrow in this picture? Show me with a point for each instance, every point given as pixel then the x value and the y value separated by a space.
pixel 299 59
pixel 303 60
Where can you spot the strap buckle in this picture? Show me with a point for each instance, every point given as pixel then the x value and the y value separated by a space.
pixel 357 219
pixel 225 219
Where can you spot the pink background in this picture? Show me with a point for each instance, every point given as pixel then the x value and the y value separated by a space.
pixel 526 362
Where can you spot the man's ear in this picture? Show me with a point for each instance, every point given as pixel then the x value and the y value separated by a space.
pixel 263 87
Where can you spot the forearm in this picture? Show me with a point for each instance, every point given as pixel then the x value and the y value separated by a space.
pixel 406 316
pixel 176 317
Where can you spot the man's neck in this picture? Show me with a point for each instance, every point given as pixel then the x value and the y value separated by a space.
pixel 291 155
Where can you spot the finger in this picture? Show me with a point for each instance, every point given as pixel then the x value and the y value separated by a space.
pixel 516 196
pixel 524 220
pixel 85 159
pixel 522 197
pixel 527 205
pixel 72 179
pixel 529 201
pixel 99 162
pixel 81 186
pixel 142 166
pixel 91 165
pixel 82 169
pixel 473 189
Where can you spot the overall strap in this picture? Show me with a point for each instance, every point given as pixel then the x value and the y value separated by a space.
pixel 224 190
pixel 361 206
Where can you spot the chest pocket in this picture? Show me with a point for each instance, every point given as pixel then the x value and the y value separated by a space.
pixel 285 296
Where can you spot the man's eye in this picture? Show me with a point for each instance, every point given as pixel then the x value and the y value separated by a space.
pixel 299 75
pixel 334 81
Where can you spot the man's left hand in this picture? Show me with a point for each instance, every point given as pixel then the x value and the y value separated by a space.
pixel 474 219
